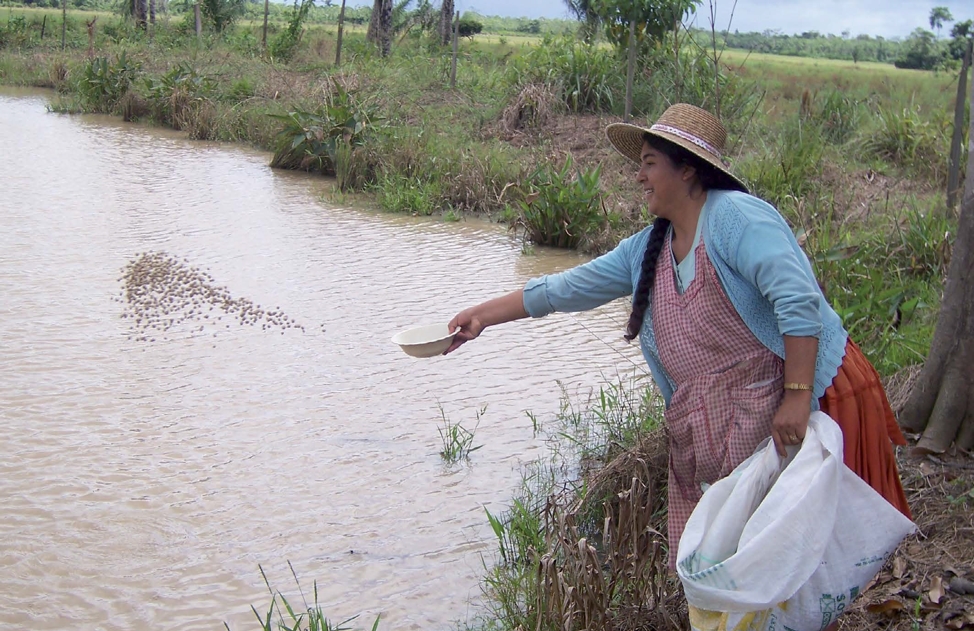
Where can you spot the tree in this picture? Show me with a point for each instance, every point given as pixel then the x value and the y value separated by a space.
pixel 220 13
pixel 372 35
pixel 139 12
pixel 653 18
pixel 919 52
pixel 939 15
pixel 468 27
pixel 584 12
pixel 942 402
pixel 385 28
pixel 380 26
pixel 446 21
pixel 960 34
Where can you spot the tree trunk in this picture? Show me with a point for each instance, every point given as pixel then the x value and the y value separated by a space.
pixel 263 35
pixel 385 28
pixel 64 21
pixel 199 20
pixel 953 175
pixel 152 12
pixel 942 402
pixel 446 21
pixel 373 33
pixel 139 12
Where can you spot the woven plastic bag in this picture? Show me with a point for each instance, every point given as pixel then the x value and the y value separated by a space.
pixel 786 544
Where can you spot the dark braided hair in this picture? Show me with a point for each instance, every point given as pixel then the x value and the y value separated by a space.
pixel 710 178
pixel 647 274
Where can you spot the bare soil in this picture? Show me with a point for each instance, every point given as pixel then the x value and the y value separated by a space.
pixel 929 582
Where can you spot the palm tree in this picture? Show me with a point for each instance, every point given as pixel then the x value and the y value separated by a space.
pixel 584 11
pixel 939 15
pixel 372 35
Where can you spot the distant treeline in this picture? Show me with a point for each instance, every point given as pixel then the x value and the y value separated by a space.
pixel 921 50
pixel 815 44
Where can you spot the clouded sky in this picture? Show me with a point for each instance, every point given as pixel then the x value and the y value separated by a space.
pixel 888 18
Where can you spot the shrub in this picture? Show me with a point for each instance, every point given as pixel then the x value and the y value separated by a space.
pixel 584 76
pixel 784 170
pixel 838 117
pixel 404 194
pixel 283 45
pixel 309 141
pixel 561 209
pixel 180 99
pixel 904 139
pixel 103 83
pixel 16 33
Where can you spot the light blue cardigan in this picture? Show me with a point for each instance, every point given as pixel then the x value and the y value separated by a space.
pixel 759 263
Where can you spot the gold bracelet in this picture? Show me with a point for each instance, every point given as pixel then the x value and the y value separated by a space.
pixel 797 386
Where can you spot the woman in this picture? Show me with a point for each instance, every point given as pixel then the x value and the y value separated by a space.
pixel 739 338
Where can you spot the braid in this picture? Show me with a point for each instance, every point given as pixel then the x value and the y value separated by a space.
pixel 647 275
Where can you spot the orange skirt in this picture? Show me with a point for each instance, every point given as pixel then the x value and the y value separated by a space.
pixel 858 403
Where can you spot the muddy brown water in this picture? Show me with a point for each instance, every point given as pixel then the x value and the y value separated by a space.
pixel 143 482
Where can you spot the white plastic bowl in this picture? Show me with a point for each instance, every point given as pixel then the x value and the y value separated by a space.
pixel 424 341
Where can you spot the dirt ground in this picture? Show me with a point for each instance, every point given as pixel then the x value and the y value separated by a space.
pixel 929 581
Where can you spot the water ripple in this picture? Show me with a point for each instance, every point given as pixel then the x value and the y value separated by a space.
pixel 142 483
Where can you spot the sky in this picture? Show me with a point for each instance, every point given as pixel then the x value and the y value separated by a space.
pixel 886 18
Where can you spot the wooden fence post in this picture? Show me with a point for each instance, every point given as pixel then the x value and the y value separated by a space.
pixel 341 29
pixel 631 69
pixel 199 21
pixel 456 37
pixel 91 36
pixel 64 20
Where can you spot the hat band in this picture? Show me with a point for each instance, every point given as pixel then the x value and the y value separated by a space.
pixel 700 142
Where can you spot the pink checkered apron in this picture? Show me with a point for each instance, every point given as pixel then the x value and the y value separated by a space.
pixel 728 384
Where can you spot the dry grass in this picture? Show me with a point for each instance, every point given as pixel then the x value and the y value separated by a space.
pixel 899 386
pixel 530 110
pixel 914 591
pixel 607 562
pixel 606 568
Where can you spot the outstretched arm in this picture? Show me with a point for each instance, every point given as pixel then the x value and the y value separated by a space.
pixel 469 323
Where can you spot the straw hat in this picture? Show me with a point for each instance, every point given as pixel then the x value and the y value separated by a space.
pixel 696 130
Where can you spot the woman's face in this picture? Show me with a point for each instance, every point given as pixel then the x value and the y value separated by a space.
pixel 664 184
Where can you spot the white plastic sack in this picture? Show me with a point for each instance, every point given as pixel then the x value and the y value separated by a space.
pixel 786 543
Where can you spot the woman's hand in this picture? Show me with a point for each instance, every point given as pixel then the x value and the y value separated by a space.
pixel 791 421
pixel 467 325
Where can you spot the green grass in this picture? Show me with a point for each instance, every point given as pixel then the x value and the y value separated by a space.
pixel 457 441
pixel 788 78
pixel 282 615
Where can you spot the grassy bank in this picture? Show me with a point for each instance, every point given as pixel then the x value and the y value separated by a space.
pixel 854 156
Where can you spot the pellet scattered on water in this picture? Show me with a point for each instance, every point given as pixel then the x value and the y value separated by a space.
pixel 161 291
